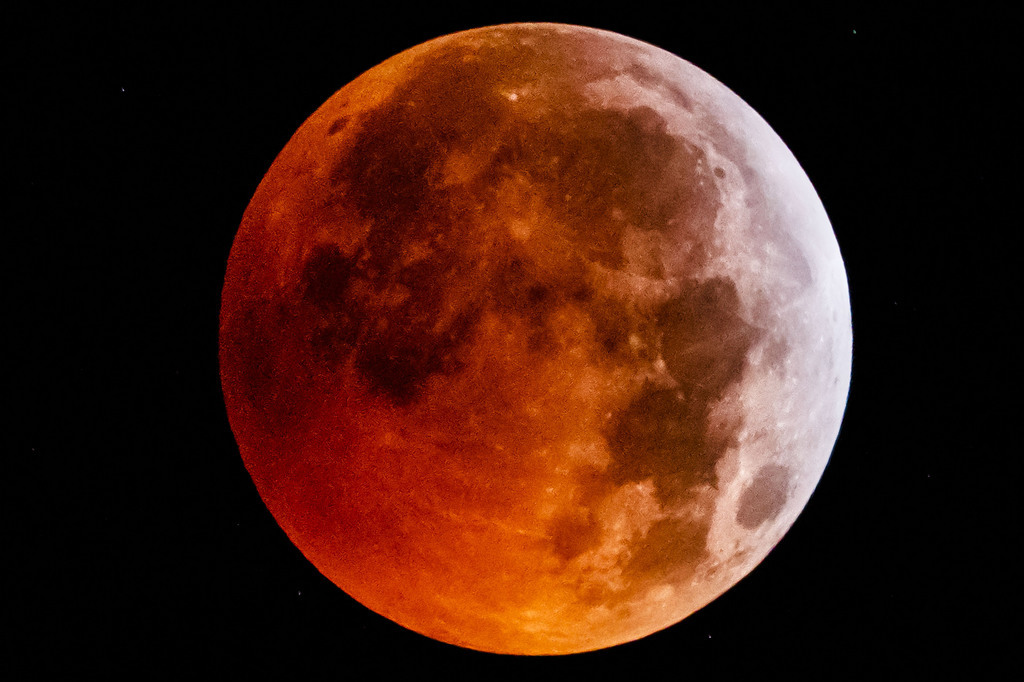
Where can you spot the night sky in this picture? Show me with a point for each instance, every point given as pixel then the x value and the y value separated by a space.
pixel 139 542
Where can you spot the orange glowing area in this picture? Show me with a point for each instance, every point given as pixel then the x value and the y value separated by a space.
pixel 535 339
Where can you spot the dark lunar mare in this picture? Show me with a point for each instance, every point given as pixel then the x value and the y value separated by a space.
pixel 598 170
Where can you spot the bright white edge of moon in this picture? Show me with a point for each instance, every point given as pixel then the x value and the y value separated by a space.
pixel 780 415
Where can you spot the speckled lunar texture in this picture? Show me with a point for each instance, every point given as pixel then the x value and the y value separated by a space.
pixel 535 339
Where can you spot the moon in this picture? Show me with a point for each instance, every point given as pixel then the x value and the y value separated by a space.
pixel 535 339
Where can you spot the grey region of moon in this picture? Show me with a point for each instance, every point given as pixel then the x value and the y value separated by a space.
pixel 535 339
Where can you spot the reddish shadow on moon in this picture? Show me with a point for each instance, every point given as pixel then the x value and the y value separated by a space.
pixel 535 339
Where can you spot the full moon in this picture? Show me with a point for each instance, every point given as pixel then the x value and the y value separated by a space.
pixel 535 339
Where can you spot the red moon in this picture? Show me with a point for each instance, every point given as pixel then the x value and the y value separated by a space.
pixel 535 339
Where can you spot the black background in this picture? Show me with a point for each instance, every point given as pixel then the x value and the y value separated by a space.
pixel 139 541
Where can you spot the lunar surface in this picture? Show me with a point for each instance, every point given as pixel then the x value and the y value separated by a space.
pixel 535 339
